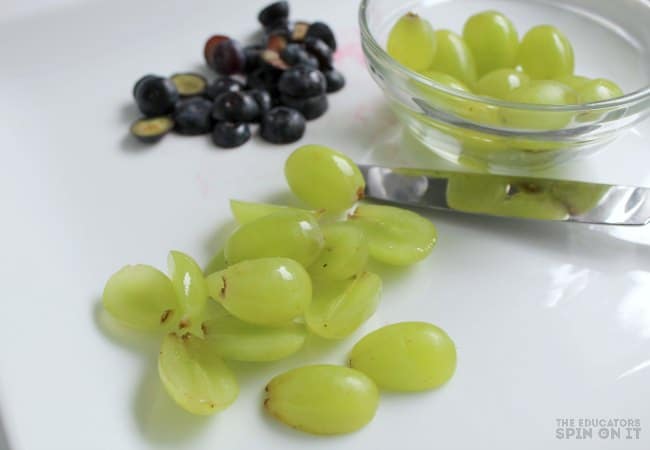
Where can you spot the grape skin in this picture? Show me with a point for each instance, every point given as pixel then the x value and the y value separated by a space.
pixel 246 212
pixel 545 53
pixel 540 92
pixel 344 255
pixel 191 291
pixel 500 83
pixel 454 57
pixel 493 40
pixel 412 42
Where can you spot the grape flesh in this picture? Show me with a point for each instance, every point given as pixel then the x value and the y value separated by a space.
pixel 493 40
pixel 141 297
pixel 324 178
pixel 266 291
pixel 406 356
pixel 322 399
pixel 501 82
pixel 338 308
pixel 545 53
pixel 246 212
pixel 197 379
pixel 344 255
pixel 191 290
pixel 544 92
pixel 395 236
pixel 289 234
pixel 412 42
pixel 454 57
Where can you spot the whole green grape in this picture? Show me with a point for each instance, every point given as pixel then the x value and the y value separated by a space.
pixel 191 290
pixel 141 297
pixel 598 90
pixel 344 254
pixel 493 40
pixel 454 57
pixel 338 308
pixel 540 92
pixel 501 82
pixel 406 356
pixel 246 212
pixel 265 291
pixel 395 236
pixel 546 53
pixel 412 42
pixel 194 377
pixel 289 234
pixel 575 82
pixel 324 178
pixel 216 264
pixel 322 399
pixel 446 80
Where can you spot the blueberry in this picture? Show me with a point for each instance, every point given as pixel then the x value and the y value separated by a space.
pixel 322 31
pixel 294 54
pixel 193 116
pixel 156 96
pixel 302 81
pixel 266 79
pixel 274 12
pixel 310 107
pixel 263 100
pixel 253 55
pixel 335 80
pixel 228 57
pixel 282 125
pixel 221 85
pixel 142 80
pixel 320 50
pixel 235 107
pixel 230 135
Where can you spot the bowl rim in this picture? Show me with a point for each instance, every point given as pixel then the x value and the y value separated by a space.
pixel 370 43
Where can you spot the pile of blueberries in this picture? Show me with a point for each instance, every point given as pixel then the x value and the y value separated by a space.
pixel 279 84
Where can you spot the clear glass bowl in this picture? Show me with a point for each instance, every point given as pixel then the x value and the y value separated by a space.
pixel 611 39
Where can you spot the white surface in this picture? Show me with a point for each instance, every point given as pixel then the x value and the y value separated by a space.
pixel 550 320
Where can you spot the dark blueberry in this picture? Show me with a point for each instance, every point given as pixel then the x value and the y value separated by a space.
pixel 263 100
pixel 282 125
pixel 221 85
pixel 279 29
pixel 193 116
pixel 156 96
pixel 228 57
pixel 235 107
pixel 335 80
pixel 322 31
pixel 142 80
pixel 189 84
pixel 210 46
pixel 294 54
pixel 310 107
pixel 299 31
pixel 320 50
pixel 302 81
pixel 253 55
pixel 151 130
pixel 230 135
pixel 265 79
pixel 274 12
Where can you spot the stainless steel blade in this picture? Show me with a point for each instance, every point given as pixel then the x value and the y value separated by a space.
pixel 509 196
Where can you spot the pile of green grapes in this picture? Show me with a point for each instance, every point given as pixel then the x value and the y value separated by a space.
pixel 490 60
pixel 284 273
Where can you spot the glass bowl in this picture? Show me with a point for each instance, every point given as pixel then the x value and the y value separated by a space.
pixel 611 40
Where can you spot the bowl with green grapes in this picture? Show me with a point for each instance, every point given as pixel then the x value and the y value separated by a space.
pixel 511 84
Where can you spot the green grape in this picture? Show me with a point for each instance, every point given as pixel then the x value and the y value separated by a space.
pixel 141 297
pixel 233 339
pixel 454 57
pixel 189 284
pixel 598 90
pixel 324 178
pixel 344 255
pixel 216 264
pixel 246 212
pixel 578 198
pixel 493 40
pixel 501 82
pixel 537 92
pixel 322 399
pixel 545 53
pixel 406 356
pixel 266 291
pixel 446 80
pixel 289 234
pixel 197 379
pixel 412 42
pixel 395 236
pixel 338 308
pixel 573 81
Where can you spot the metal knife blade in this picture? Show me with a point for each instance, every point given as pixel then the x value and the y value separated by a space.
pixel 509 196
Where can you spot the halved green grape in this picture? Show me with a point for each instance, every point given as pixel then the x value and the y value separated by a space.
pixel 501 82
pixel 234 339
pixel 344 255
pixel 395 236
pixel 578 198
pixel 545 53
pixel 412 42
pixel 406 356
pixel 289 234
pixel 141 297
pixel 197 379
pixel 246 212
pixel 598 90
pixel 324 178
pixel 266 291
pixel 454 57
pixel 545 92
pixel 322 399
pixel 338 308
pixel 216 264
pixel 191 290
pixel 493 40
pixel 573 81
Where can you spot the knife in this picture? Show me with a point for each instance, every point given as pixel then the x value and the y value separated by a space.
pixel 509 196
